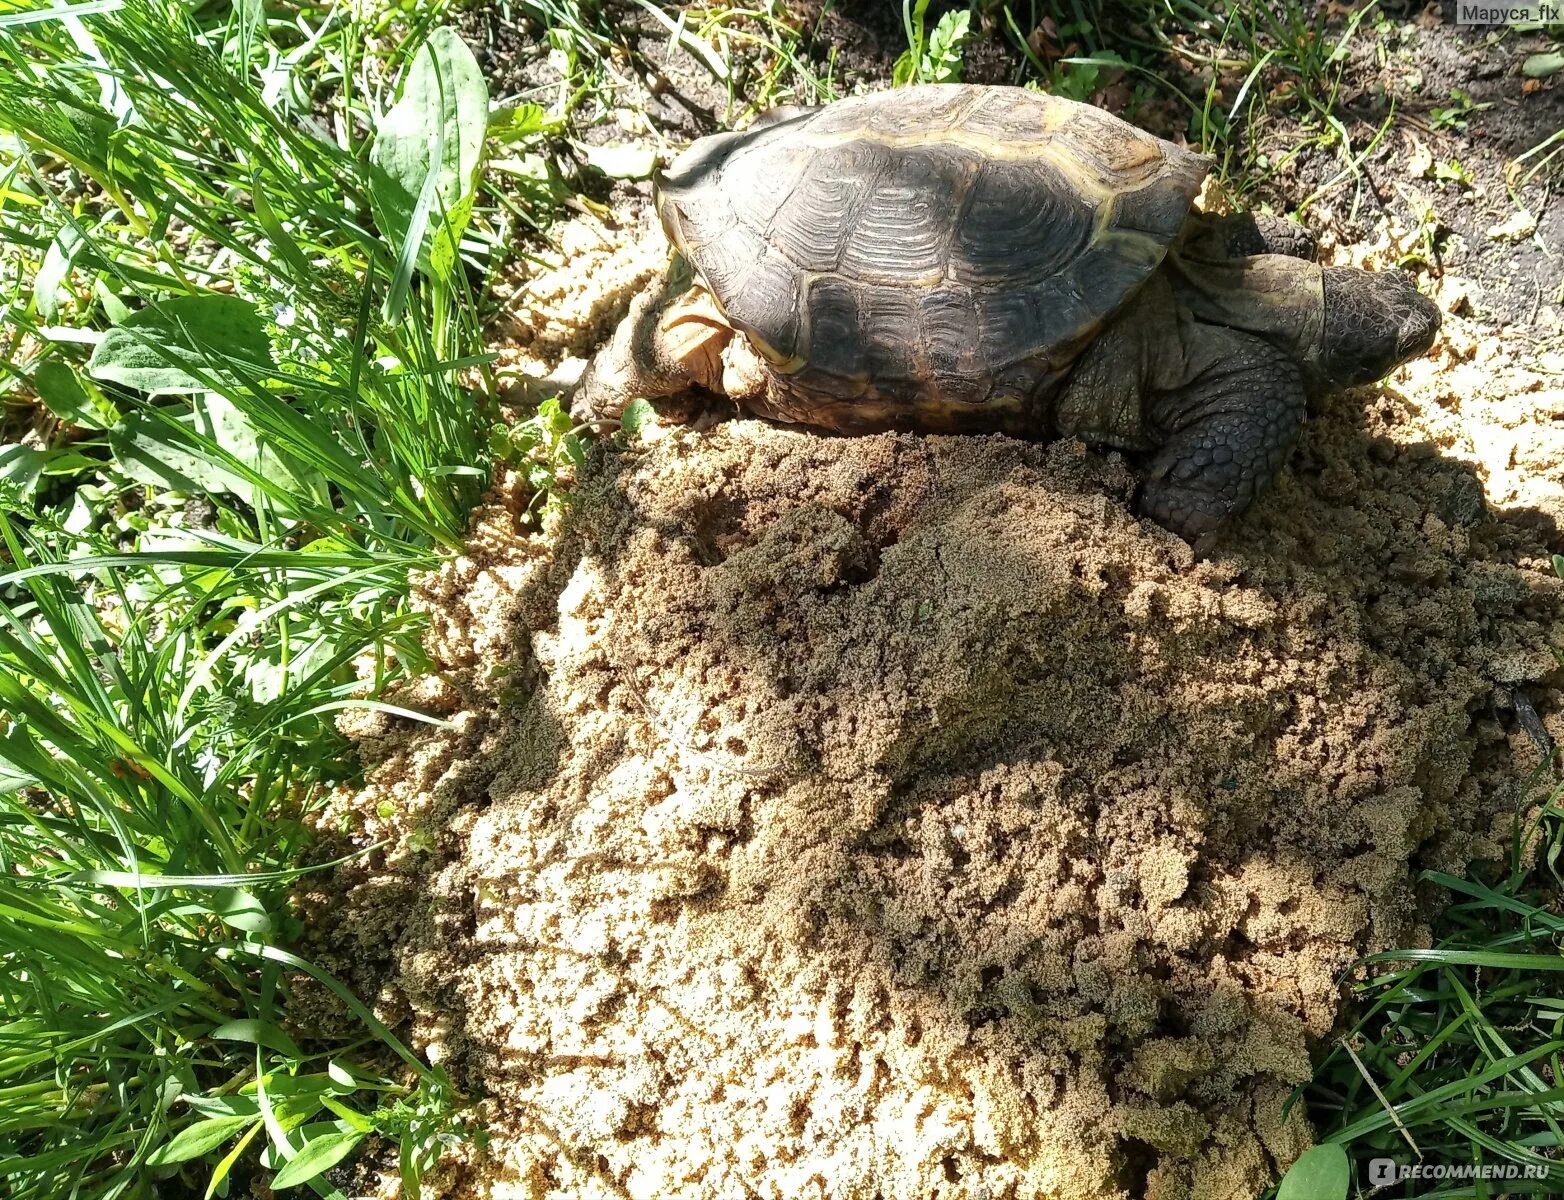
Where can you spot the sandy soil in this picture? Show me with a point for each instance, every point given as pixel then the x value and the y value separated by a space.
pixel 900 817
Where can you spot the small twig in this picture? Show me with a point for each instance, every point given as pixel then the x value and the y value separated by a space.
pixel 1379 1095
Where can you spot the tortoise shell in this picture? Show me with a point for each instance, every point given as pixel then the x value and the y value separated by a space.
pixel 900 257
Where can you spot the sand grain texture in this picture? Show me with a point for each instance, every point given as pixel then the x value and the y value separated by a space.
pixel 900 817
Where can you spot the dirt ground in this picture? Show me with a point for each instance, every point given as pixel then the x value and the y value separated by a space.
pixel 900 817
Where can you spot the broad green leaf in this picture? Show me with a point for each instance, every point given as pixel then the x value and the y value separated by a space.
pixel 341 1078
pixel 194 1141
pixel 430 144
pixel 351 1118
pixel 184 345
pixel 259 1033
pixel 52 272
pixel 316 1156
pixel 1542 66
pixel 287 1087
pixel 1321 1173
pixel 65 395
pixel 220 419
pixel 115 309
pixel 169 456
pixel 319 1129
pixel 177 456
pixel 223 1106
pixel 268 673
pixel 20 469
pixel 239 908
pixel 635 416
pixel 64 461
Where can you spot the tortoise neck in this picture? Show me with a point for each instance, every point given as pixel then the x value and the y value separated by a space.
pixel 1278 298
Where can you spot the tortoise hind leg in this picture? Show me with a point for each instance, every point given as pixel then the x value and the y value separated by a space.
pixel 666 344
pixel 1224 435
pixel 1243 234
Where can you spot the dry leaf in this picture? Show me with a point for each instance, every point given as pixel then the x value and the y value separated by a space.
pixel 1114 97
pixel 1044 41
pixel 1519 226
pixel 1420 160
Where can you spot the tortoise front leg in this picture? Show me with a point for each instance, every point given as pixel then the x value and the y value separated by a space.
pixel 1224 435
pixel 665 345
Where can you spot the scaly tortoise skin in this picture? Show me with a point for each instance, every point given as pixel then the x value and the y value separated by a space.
pixel 956 258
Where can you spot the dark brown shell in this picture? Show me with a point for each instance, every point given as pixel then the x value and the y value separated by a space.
pixel 931 246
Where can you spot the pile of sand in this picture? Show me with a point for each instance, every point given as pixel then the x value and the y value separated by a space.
pixel 899 817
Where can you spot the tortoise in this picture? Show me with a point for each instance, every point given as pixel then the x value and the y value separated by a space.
pixel 977 259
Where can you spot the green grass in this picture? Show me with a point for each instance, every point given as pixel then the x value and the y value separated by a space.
pixel 1458 1050
pixel 1234 68
pixel 752 52
pixel 241 292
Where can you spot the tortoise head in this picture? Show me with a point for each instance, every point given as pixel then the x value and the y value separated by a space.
pixel 1374 322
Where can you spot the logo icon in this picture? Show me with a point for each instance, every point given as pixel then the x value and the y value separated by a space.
pixel 1382 1171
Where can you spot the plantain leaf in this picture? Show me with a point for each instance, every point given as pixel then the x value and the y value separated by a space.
pixel 178 455
pixel 58 260
pixel 1541 66
pixel 258 1033
pixel 1321 1173
pixel 20 469
pixel 427 152
pixel 187 344
pixel 167 455
pixel 240 908
pixel 65 395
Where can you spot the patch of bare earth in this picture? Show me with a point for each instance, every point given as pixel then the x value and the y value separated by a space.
pixel 900 817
